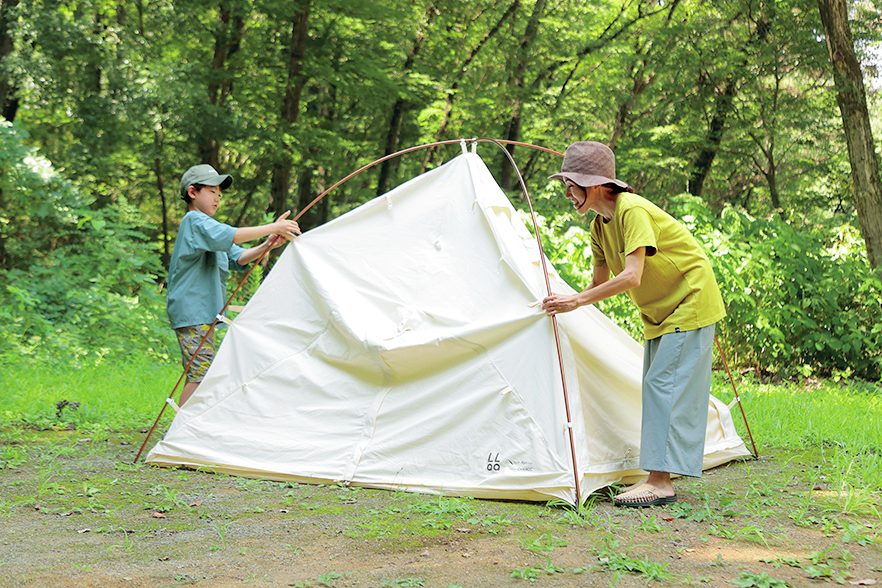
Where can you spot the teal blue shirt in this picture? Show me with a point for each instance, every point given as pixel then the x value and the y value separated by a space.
pixel 202 258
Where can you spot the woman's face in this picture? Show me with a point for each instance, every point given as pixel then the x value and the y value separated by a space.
pixel 578 196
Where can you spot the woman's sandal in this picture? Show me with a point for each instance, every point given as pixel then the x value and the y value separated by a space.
pixel 643 496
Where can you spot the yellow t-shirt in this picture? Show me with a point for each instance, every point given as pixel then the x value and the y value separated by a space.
pixel 678 291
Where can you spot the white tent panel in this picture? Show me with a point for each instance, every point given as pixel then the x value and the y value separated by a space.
pixel 401 346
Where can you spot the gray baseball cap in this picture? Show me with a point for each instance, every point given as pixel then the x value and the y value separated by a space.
pixel 589 163
pixel 206 175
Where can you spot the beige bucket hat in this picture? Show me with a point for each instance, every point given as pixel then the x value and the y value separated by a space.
pixel 589 163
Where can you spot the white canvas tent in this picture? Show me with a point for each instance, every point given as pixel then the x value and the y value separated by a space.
pixel 401 346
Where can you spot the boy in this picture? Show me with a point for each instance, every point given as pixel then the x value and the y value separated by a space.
pixel 205 251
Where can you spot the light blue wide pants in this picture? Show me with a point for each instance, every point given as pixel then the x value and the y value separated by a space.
pixel 676 390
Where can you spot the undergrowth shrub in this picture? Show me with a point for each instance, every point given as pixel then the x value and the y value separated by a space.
pixel 800 302
pixel 77 282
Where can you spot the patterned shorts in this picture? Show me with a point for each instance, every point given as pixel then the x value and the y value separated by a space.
pixel 189 338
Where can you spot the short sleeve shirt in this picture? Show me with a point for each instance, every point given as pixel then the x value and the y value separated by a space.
pixel 202 258
pixel 678 290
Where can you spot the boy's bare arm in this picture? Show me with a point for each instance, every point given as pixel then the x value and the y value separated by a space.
pixel 287 229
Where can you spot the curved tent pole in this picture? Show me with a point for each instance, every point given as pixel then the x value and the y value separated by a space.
pixel 170 398
pixel 498 142
pixel 563 379
pixel 417 148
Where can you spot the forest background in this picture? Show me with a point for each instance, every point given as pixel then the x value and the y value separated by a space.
pixel 727 114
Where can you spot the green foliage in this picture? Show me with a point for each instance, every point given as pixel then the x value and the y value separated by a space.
pixel 77 283
pixel 121 101
pixel 750 580
pixel 611 558
pixel 800 302
pixel 533 573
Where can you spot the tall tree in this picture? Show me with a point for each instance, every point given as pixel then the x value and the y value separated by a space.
pixel 401 103
pixel 281 175
pixel 517 89
pixel 852 99
pixel 8 90
pixel 227 42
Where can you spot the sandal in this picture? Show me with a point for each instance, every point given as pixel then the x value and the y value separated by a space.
pixel 643 496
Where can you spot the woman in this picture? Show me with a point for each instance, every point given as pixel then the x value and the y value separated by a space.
pixel 663 269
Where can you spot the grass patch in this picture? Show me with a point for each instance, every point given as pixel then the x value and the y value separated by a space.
pixel 842 421
pixel 810 506
pixel 92 398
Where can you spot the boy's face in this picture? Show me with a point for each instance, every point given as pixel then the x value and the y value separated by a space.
pixel 206 199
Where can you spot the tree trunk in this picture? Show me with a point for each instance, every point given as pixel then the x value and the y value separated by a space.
pixel 852 101
pixel 724 106
pixel 8 90
pixel 160 186
pixel 321 108
pixel 400 106
pixel 513 128
pixel 227 41
pixel 281 175
pixel 705 159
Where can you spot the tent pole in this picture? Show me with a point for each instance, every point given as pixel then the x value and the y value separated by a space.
pixel 202 341
pixel 563 379
pixel 297 217
pixel 737 397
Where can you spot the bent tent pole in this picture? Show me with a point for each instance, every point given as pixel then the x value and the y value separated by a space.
pixel 170 398
pixel 563 378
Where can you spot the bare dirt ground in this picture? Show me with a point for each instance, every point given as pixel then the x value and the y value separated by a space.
pixel 75 512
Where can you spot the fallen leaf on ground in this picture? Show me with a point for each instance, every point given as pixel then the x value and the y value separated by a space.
pixel 158 515
pixel 867 582
pixel 197 503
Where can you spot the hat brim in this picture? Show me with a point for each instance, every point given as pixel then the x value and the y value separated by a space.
pixel 222 180
pixel 213 179
pixel 587 180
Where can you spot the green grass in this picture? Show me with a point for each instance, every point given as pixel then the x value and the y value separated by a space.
pixel 827 414
pixel 842 422
pixel 114 397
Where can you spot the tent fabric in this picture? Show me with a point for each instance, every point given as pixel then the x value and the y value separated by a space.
pixel 402 346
